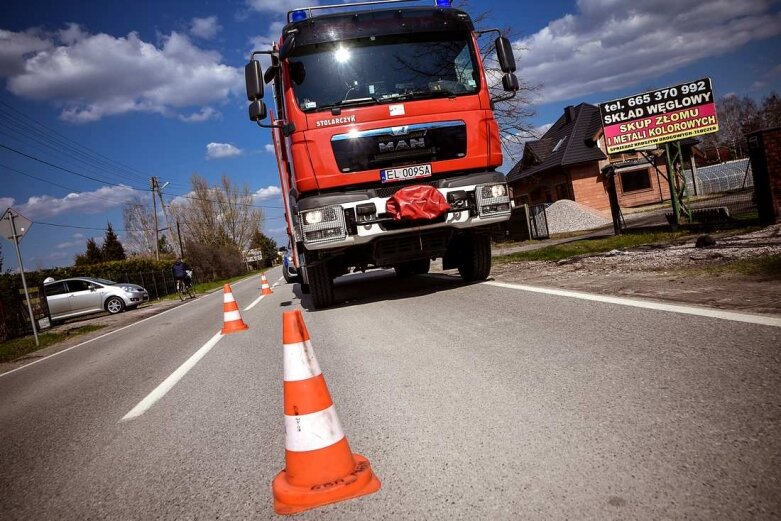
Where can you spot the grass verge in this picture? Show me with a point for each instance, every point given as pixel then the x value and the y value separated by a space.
pixel 768 268
pixel 591 246
pixel 205 287
pixel 17 347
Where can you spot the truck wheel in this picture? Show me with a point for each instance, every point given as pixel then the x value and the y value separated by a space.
pixel 321 285
pixel 475 262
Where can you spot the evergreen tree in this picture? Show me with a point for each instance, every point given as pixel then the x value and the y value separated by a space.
pixel 112 248
pixel 93 255
pixel 267 246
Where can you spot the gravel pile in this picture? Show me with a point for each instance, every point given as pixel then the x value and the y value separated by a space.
pixel 568 216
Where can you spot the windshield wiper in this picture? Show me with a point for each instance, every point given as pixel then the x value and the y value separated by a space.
pixel 353 101
pixel 425 94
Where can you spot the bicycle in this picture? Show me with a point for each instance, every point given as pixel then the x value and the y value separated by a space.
pixel 184 289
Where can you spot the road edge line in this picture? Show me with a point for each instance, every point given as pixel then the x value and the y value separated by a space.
pixel 168 384
pixel 762 320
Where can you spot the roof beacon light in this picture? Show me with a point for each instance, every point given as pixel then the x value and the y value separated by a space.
pixel 297 16
pixel 443 3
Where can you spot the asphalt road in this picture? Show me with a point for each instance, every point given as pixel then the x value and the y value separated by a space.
pixel 470 401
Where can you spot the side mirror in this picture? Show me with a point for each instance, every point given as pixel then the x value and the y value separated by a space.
pixel 257 110
pixel 504 53
pixel 253 77
pixel 510 82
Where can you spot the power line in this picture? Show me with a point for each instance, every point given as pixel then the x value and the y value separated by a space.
pixel 64 141
pixel 185 196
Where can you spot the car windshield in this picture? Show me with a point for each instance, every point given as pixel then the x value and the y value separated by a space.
pixel 383 69
pixel 105 282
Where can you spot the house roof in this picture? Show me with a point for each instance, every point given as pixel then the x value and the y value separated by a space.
pixel 563 144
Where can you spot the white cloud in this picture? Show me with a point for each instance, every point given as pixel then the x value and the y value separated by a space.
pixel 97 201
pixel 276 6
pixel 96 75
pixel 268 192
pixel 206 28
pixel 205 114
pixel 16 47
pixel 269 149
pixel 221 150
pixel 69 244
pixel 78 235
pixel 609 45
pixel 5 203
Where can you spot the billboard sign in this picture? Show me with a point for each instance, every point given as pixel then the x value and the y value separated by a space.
pixel 659 116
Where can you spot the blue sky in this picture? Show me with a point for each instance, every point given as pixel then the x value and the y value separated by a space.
pixel 121 91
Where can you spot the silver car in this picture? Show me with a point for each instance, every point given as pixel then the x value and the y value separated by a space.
pixel 84 295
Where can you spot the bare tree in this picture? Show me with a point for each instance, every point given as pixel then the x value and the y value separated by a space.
pixel 139 224
pixel 513 116
pixel 222 215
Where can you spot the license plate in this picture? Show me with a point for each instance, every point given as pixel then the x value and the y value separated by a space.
pixel 402 174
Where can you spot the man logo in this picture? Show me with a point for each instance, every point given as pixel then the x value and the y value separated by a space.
pixel 402 144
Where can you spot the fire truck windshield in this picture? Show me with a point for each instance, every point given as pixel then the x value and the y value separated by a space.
pixel 382 69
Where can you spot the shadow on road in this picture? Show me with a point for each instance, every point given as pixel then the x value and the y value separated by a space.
pixel 380 285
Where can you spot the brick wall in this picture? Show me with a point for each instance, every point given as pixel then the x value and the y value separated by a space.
pixel 768 190
pixel 588 187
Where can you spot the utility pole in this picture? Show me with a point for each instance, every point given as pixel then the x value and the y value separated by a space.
pixel 157 226
pixel 15 236
pixel 179 233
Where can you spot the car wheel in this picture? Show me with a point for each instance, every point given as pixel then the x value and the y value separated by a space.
pixel 115 305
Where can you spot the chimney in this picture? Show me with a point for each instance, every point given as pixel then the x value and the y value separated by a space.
pixel 569 114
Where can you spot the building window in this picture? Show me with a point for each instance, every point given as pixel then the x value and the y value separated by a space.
pixel 635 180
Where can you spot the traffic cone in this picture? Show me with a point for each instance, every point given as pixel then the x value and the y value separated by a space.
pixel 265 289
pixel 320 468
pixel 232 322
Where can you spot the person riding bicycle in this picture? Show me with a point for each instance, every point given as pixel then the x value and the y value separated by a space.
pixel 182 272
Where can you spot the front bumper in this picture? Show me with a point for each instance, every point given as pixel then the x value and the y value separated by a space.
pixel 346 226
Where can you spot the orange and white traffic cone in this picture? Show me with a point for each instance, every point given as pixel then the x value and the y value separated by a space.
pixel 232 322
pixel 320 468
pixel 265 289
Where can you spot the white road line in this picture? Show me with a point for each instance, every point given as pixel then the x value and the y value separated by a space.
pixel 97 338
pixel 675 308
pixel 255 303
pixel 172 380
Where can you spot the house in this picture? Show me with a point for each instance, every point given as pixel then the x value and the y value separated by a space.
pixel 561 166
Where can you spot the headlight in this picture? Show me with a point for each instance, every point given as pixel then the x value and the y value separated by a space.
pixel 323 225
pixel 127 289
pixel 492 199
pixel 498 191
pixel 313 217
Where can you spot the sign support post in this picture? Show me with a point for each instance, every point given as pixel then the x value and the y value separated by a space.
pixel 15 239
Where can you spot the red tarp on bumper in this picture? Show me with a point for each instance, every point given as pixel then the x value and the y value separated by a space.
pixel 417 202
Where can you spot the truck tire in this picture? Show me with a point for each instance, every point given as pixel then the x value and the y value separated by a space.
pixel 321 286
pixel 475 262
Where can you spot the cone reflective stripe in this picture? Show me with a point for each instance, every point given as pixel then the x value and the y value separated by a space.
pixel 320 467
pixel 265 289
pixel 232 321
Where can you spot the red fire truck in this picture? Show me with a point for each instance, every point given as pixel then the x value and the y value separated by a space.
pixel 385 139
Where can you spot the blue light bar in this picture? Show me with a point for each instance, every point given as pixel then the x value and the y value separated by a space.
pixel 297 16
pixel 443 3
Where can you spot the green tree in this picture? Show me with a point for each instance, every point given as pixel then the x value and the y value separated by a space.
pixel 93 255
pixel 112 248
pixel 267 246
